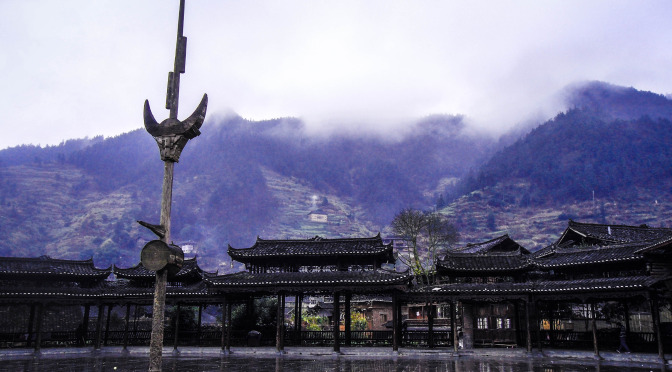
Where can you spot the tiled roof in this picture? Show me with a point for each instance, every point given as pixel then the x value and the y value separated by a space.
pixel 491 262
pixel 573 256
pixel 189 267
pixel 45 265
pixel 618 233
pixel 501 244
pixel 665 243
pixel 316 246
pixel 105 289
pixel 545 286
pixel 317 279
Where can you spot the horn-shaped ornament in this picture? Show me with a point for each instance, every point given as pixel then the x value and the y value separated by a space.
pixel 171 134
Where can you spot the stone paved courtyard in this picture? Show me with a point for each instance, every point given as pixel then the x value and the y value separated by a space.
pixel 322 359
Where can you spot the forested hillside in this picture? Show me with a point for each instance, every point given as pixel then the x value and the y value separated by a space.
pixel 606 159
pixel 239 179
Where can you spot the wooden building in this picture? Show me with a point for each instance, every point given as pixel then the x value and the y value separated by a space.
pixel 573 293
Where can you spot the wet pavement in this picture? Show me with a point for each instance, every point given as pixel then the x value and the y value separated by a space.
pixel 323 359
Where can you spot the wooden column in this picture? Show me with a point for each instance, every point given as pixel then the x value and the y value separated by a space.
pixel 198 330
pixel 453 325
pixel 176 336
pixel 38 328
pixel 223 338
pixel 99 326
pixel 399 323
pixel 430 325
pixel 107 324
pixel 127 320
pixel 529 326
pixel 348 319
pixel 249 311
pixel 299 322
pixel 626 311
pixel 516 322
pixel 537 325
pixel 337 322
pixel 395 323
pixel 280 324
pixel 229 327
pixel 87 313
pixel 655 315
pixel 31 320
pixel 593 325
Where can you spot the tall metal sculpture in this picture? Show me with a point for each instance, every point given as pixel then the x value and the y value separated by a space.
pixel 171 135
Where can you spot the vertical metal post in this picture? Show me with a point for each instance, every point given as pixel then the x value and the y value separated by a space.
pixel 159 305
pixel 171 136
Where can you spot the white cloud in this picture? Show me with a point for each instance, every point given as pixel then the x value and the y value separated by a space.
pixel 77 68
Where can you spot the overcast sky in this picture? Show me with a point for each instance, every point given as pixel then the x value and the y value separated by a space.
pixel 77 68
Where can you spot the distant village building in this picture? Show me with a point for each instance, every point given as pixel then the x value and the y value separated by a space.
pixel 318 216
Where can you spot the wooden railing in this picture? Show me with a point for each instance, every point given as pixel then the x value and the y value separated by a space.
pixel 607 339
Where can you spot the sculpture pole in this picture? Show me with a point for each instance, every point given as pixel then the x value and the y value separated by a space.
pixel 171 136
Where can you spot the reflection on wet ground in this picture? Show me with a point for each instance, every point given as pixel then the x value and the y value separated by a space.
pixel 314 363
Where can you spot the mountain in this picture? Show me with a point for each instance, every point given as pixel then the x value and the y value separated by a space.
pixel 607 159
pixel 238 180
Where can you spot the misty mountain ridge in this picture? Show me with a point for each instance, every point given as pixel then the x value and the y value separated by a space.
pixel 242 179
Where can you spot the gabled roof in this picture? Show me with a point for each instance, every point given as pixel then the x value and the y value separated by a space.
pixel 47 266
pixel 589 255
pixel 473 262
pixel 314 247
pixel 610 234
pixel 189 268
pixel 501 244
pixel 499 254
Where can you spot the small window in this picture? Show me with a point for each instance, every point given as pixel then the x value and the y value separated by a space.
pixel 482 323
pixel 503 323
pixel 383 318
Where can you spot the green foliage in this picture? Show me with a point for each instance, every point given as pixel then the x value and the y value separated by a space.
pixel 263 315
pixel 358 321
pixel 577 153
pixel 188 317
pixel 313 322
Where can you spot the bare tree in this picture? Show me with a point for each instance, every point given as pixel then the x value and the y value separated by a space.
pixel 427 236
